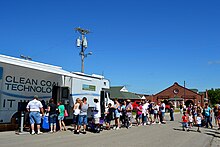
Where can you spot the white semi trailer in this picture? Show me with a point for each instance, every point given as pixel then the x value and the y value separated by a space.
pixel 21 79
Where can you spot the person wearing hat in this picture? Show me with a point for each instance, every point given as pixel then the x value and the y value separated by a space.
pixel 129 109
pixel 35 107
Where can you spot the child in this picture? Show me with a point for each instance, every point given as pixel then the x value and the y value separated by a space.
pixel 199 121
pixel 190 120
pixel 185 121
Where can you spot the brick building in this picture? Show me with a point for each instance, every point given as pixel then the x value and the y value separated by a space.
pixel 179 94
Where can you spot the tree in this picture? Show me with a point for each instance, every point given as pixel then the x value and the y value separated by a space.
pixel 214 96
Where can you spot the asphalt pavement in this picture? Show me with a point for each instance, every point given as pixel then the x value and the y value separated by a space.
pixel 157 135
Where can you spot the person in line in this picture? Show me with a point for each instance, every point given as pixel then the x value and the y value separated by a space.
pixel 156 114
pixel 185 122
pixel 52 109
pixel 83 114
pixel 208 115
pixel 171 111
pixel 151 112
pixel 199 109
pixel 109 115
pixel 61 109
pixel 144 113
pixel 97 115
pixel 76 111
pixel 139 114
pixel 194 113
pixel 189 109
pixel 35 107
pixel 123 113
pixel 117 114
pixel 129 109
pixel 184 108
pixel 148 113
pixel 163 110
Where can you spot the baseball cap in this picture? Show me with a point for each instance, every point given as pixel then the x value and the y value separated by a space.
pixel 36 96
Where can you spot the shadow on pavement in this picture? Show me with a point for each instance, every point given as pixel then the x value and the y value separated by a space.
pixel 213 133
pixel 190 130
pixel 177 129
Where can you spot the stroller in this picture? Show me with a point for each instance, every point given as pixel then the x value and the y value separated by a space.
pixel 95 128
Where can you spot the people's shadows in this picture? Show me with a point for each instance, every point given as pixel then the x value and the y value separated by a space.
pixel 177 129
pixel 212 131
pixel 212 134
pixel 190 130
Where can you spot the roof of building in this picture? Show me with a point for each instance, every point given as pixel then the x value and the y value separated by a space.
pixel 115 92
pixel 195 90
pixel 179 86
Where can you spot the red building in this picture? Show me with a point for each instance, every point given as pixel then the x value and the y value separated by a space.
pixel 179 94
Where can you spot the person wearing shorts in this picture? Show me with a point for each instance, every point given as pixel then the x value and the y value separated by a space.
pixel 83 115
pixel 35 107
pixel 76 112
pixel 61 109
pixel 52 109
pixel 117 114
pixel 139 114
pixel 185 122
pixel 108 116
pixel 199 121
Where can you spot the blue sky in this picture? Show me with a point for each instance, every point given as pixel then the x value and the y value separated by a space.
pixel 146 45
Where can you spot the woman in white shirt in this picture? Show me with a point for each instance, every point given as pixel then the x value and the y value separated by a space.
pixel 76 112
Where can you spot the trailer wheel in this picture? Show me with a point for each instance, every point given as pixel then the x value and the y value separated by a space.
pixel 15 118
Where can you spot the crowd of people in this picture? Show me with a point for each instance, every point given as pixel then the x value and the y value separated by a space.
pixel 146 113
pixel 118 115
pixel 36 111
pixel 194 115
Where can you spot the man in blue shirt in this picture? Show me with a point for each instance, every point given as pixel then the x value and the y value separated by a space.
pixel 207 113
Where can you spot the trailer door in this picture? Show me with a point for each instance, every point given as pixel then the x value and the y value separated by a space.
pixel 62 94
pixel 1 79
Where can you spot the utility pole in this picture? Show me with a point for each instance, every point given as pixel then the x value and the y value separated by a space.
pixel 82 44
